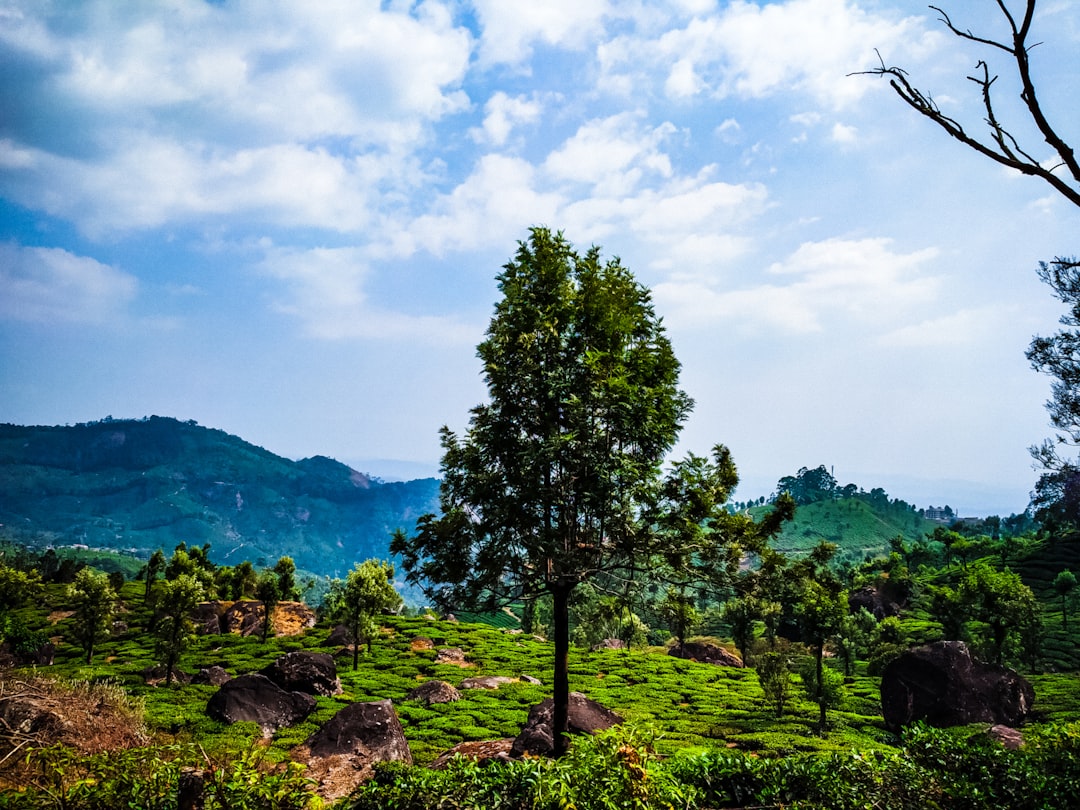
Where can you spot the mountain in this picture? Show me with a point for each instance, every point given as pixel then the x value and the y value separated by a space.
pixel 150 483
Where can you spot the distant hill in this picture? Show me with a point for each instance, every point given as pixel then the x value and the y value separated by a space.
pixel 150 483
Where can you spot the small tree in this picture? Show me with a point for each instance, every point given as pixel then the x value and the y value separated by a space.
pixel 285 569
pixel 820 611
pixel 677 609
pixel 242 581
pixel 1064 586
pixel 1001 601
pixel 94 601
pixel 174 629
pixel 368 592
pixel 775 679
pixel 742 614
pixel 154 566
pixel 268 591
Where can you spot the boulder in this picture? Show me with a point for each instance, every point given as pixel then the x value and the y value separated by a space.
pixel 213 675
pixel 255 698
pixel 706 653
pixel 875 602
pixel 431 692
pixel 584 717
pixel 1009 738
pixel 207 617
pixel 452 655
pixel 481 751
pixel 342 754
pixel 152 676
pixel 421 643
pixel 304 671
pixel 292 618
pixel 530 679
pixel 943 685
pixel 340 636
pixel 244 617
pixel 609 644
pixel 485 682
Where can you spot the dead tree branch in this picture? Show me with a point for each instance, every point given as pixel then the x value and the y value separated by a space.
pixel 1001 146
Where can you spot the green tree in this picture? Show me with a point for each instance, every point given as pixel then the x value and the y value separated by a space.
pixel 853 637
pixel 678 610
pixel 546 488
pixel 174 630
pixel 285 569
pixel 154 566
pixel 94 601
pixel 775 679
pixel 1002 602
pixel 821 609
pixel 268 591
pixel 242 580
pixel 742 614
pixel 1065 586
pixel 17 587
pixel 368 592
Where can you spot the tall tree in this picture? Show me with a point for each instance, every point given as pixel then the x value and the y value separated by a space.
pixel 547 487
pixel 1060 168
pixel 285 569
pixel 94 600
pixel 1002 601
pixel 367 592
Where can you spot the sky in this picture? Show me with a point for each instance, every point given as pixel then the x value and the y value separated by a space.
pixel 285 220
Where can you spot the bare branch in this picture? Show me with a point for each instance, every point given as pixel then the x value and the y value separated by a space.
pixel 1003 147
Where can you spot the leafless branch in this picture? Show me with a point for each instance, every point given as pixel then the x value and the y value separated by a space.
pixel 1002 146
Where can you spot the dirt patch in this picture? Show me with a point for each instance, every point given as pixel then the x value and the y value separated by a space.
pixel 37 712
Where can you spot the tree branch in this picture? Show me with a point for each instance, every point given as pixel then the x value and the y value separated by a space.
pixel 1004 148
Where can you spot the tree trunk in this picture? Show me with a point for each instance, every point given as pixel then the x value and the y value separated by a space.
pixel 355 646
pixel 821 686
pixel 560 621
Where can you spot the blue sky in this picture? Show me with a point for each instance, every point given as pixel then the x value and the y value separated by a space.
pixel 284 220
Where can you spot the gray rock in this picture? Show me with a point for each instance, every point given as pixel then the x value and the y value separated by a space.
pixel 342 753
pixel 485 682
pixel 431 692
pixel 706 654
pixel 255 698
pixel 304 671
pixel 213 675
pixel 584 717
pixel 943 685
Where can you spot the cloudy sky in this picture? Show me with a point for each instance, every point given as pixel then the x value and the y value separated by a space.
pixel 285 219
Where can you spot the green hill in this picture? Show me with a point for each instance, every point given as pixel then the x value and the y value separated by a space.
pixel 138 485
pixel 856 524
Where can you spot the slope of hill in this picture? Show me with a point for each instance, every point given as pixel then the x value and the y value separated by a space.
pixel 143 484
pixel 858 525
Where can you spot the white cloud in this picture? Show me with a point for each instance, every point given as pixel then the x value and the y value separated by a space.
pixel 51 285
pixel 844 134
pixel 966 327
pixel 512 27
pixel 749 50
pixel 502 113
pixel 296 113
pixel 821 284
pixel 493 206
pixel 612 154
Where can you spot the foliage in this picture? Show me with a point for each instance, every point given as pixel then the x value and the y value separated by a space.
pixel 17 587
pixel 678 610
pixel 268 591
pixel 95 605
pixel 1003 602
pixel 775 679
pixel 1065 587
pixel 174 631
pixel 367 593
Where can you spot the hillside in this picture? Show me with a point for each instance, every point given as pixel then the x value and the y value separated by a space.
pixel 856 524
pixel 142 484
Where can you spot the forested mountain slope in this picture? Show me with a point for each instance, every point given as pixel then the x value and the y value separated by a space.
pixel 154 482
